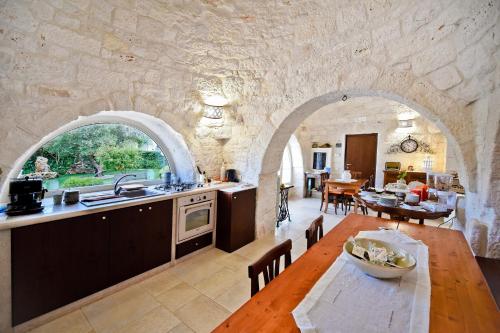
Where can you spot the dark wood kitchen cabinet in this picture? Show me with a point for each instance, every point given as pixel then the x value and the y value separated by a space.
pixel 56 263
pixel 235 219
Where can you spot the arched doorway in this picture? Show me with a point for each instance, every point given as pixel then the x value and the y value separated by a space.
pixel 269 164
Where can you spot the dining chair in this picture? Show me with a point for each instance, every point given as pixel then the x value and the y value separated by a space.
pixel 361 205
pixel 356 174
pixel 269 265
pixel 336 193
pixel 348 199
pixel 324 177
pixel 315 231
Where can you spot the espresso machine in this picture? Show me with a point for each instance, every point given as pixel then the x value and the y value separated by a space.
pixel 26 196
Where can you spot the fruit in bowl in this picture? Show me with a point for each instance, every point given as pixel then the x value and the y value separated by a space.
pixel 378 258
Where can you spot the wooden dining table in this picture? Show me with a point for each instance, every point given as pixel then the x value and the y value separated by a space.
pixel 399 213
pixel 353 186
pixel 460 298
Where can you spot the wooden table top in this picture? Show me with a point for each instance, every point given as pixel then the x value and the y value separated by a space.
pixel 460 298
pixel 358 183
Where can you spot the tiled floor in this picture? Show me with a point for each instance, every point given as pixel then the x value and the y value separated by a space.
pixel 195 295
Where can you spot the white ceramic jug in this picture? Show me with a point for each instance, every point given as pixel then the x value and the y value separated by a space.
pixel 346 175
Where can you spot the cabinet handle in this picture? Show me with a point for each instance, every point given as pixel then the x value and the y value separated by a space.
pixel 235 197
pixel 140 209
pixel 104 217
pixel 150 208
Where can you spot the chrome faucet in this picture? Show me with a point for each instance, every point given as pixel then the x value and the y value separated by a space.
pixel 119 189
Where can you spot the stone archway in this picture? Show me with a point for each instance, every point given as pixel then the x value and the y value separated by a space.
pixel 270 163
pixel 170 141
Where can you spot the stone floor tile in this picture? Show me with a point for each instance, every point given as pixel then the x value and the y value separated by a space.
pixel 234 297
pixel 159 320
pixel 74 322
pixel 160 283
pixel 215 284
pixel 119 309
pixel 202 314
pixel 178 296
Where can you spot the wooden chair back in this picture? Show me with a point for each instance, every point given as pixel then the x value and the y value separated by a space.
pixel 356 174
pixel 323 177
pixel 269 264
pixel 371 181
pixel 315 231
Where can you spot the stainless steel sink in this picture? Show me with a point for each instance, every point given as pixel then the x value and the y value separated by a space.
pixel 109 198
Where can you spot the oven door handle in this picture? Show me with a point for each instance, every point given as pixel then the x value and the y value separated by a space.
pixel 196 207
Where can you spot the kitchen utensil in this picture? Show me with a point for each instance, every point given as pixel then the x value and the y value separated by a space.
pixel 26 196
pixel 71 197
pixel 232 176
pixel 57 198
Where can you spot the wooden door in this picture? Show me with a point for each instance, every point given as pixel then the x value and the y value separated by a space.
pixel 361 153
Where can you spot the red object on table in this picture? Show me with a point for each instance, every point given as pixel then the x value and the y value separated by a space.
pixel 422 192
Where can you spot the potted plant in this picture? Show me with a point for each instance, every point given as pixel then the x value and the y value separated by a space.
pixel 401 177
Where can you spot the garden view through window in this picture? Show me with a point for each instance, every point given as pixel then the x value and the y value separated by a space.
pixel 96 155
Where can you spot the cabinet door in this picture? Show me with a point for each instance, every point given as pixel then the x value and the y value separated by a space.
pixel 157 224
pixel 126 250
pixel 56 263
pixel 242 218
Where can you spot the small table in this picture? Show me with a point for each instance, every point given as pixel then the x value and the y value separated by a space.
pixel 283 213
pixel 401 214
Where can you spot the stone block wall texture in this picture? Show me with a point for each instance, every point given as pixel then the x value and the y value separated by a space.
pixel 276 62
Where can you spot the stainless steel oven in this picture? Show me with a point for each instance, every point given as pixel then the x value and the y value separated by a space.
pixel 195 215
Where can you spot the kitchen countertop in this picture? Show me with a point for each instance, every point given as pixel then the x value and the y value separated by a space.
pixel 52 213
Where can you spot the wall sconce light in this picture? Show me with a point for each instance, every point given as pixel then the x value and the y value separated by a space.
pixel 213 112
pixel 405 123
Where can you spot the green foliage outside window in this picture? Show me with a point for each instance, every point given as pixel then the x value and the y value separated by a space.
pixel 94 154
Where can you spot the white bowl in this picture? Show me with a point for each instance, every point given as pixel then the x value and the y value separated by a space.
pixel 407 263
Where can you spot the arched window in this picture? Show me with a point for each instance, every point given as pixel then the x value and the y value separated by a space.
pixel 96 154
pixel 286 166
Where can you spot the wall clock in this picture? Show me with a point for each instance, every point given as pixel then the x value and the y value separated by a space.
pixel 409 145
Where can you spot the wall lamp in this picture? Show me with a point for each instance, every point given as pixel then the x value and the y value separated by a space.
pixel 405 123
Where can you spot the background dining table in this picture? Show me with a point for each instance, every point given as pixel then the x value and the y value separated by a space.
pixel 460 298
pixel 401 214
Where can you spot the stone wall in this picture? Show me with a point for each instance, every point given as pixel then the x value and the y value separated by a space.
pixel 275 62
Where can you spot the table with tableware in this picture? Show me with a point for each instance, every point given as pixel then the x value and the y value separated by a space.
pixel 460 300
pixel 351 185
pixel 399 211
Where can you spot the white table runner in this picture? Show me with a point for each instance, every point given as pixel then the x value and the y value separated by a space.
pixel 347 300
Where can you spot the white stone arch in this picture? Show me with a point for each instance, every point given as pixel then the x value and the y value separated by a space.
pixel 268 164
pixel 170 141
